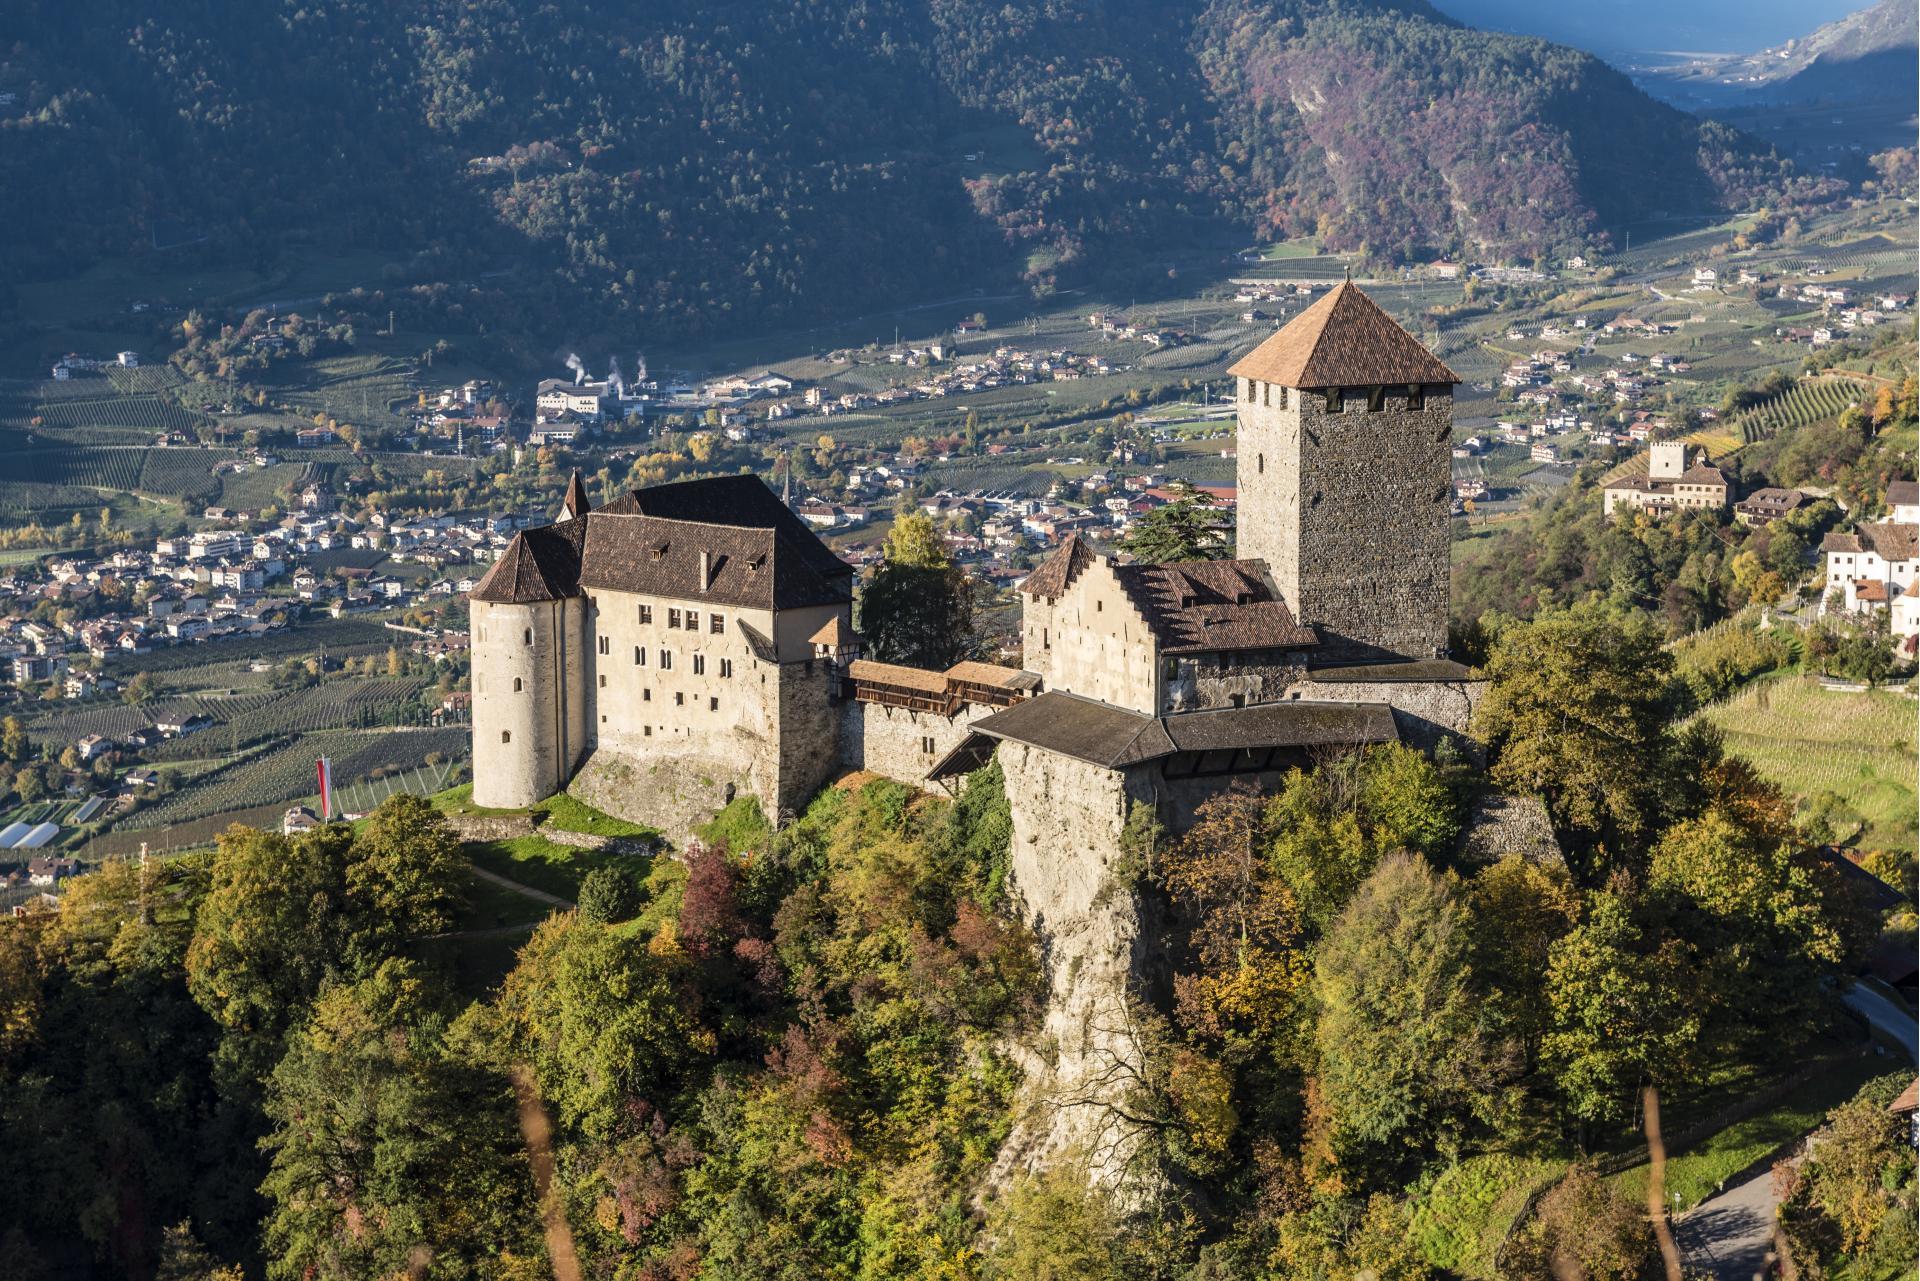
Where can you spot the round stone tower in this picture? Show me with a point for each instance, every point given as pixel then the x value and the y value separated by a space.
pixel 529 677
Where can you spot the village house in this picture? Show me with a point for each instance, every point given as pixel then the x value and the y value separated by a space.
pixel 1672 482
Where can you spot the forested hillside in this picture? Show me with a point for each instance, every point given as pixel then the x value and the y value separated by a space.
pixel 679 168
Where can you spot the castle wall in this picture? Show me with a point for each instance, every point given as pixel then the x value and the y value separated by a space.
pixel 901 743
pixel 519 688
pixel 1424 712
pixel 805 751
pixel 1092 642
pixel 1199 683
pixel 1351 510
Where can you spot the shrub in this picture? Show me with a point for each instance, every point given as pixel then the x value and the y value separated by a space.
pixel 609 896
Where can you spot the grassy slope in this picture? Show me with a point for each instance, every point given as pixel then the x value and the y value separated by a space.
pixel 1808 739
pixel 1698 1172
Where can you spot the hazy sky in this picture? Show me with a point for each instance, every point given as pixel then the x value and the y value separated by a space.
pixel 1693 26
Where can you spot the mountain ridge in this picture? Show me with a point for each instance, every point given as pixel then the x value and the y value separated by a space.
pixel 698 168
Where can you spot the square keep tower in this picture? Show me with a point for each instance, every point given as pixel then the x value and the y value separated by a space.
pixel 1345 477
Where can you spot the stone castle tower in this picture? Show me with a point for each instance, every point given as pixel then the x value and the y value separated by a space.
pixel 1344 473
pixel 530 667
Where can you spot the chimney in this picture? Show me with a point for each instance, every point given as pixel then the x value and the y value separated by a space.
pixel 706 570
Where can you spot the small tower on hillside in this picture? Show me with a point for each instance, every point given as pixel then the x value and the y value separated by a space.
pixel 1345 477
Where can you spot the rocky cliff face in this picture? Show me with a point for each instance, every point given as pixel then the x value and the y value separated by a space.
pixel 1068 817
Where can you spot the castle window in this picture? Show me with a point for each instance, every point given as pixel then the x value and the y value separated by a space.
pixel 606 644
pixel 1250 386
pixel 1046 642
pixel 1283 398
pixel 639 656
pixel 1376 399
pixel 517 687
pixel 527 636
pixel 726 667
pixel 603 680
pixel 926 745
pixel 646 613
pixel 1099 606
pixel 646 696
pixel 679 699
pixel 1416 396
pixel 666 660
pixel 646 731
pixel 1266 394
pixel 673 618
pixel 699 664
pixel 1335 400
pixel 713 704
pixel 693 620
pixel 715 624
pixel 506 736
pixel 1260 464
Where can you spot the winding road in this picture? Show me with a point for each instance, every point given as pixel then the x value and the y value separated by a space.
pixel 1729 1236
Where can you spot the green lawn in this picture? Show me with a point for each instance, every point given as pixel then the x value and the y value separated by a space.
pixel 557 869
pixel 1808 740
pixel 1698 1172
pixel 1460 1219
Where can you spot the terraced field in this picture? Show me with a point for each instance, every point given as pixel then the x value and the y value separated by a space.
pixel 1809 739
pixel 338 704
pixel 1808 401
pixel 286 772
pixel 340 638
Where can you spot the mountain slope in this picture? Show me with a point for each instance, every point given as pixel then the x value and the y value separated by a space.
pixel 682 167
pixel 1867 54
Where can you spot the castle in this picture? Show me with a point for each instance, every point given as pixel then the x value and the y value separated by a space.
pixel 693 641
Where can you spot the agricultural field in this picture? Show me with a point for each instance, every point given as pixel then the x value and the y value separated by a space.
pixel 1810 400
pixel 362 389
pixel 1808 739
pixel 341 703
pixel 286 773
pixel 337 637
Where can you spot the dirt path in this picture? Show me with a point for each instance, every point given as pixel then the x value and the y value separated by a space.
pixel 538 896
pixel 537 1131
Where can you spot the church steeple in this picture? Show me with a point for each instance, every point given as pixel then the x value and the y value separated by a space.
pixel 576 503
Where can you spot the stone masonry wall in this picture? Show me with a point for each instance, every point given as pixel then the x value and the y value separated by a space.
pixel 1351 512
pixel 1375 513
pixel 892 741
pixel 1202 684
pixel 1423 711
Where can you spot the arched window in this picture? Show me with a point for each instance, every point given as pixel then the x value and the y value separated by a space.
pixel 517 686
pixel 506 736
pixel 1260 464
pixel 528 636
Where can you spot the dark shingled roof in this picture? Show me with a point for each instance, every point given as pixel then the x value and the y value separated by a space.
pixel 1296 723
pixel 1114 738
pixel 1057 572
pixel 758 554
pixel 1343 340
pixel 1903 493
pixel 1203 606
pixel 1419 669
pixel 539 564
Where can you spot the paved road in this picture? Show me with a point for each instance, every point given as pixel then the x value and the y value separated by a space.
pixel 1884 1015
pixel 1728 1236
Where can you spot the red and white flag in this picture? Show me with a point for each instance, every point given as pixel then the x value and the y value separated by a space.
pixel 326 790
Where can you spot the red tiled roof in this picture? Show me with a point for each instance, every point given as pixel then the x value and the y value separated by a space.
pixel 1057 572
pixel 1343 340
